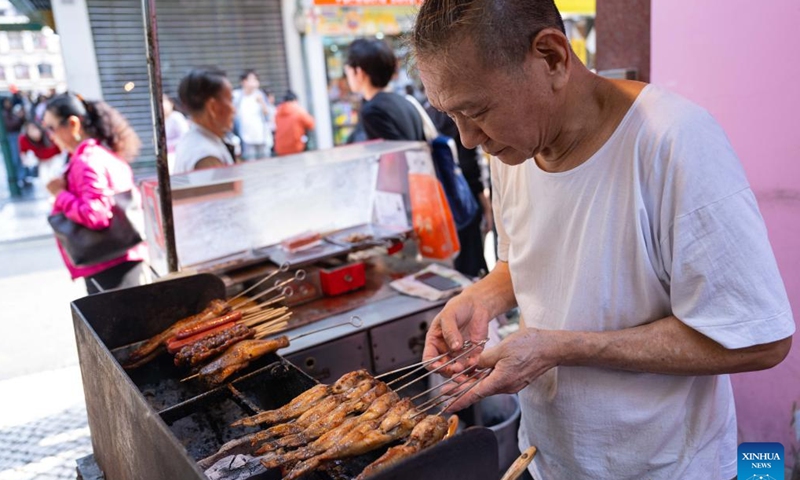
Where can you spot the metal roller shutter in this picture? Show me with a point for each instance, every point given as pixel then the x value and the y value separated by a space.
pixel 232 35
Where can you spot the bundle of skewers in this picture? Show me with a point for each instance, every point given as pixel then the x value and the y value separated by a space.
pixel 227 335
pixel 357 414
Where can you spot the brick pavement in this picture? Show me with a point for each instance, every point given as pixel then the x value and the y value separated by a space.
pixel 43 426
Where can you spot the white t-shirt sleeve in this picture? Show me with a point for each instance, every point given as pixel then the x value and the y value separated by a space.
pixel 724 280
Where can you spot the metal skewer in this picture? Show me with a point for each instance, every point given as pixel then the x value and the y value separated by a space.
pixel 468 351
pixel 454 379
pixel 451 400
pixel 283 268
pixel 483 375
pixel 354 321
pixel 299 275
pixel 449 380
pixel 419 365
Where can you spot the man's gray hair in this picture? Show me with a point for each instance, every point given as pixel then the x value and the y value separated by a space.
pixel 502 30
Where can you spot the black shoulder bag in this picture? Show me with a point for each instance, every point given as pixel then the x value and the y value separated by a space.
pixel 86 247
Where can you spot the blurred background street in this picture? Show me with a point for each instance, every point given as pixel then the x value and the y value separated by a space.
pixel 41 434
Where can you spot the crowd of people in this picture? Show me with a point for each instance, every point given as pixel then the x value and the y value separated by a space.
pixel 227 124
pixel 80 149
pixel 33 154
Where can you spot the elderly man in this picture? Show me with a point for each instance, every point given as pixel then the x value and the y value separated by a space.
pixel 629 238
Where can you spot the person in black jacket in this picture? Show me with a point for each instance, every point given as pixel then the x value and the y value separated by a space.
pixel 370 66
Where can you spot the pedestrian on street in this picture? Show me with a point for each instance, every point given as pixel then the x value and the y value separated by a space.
pixel 641 283
pixel 293 123
pixel 175 124
pixel 45 154
pixel 208 96
pixel 370 66
pixel 100 143
pixel 13 120
pixel 253 123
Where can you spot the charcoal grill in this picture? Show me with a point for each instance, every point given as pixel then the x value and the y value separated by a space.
pixel 146 424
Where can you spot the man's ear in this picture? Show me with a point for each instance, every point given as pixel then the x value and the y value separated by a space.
pixel 552 46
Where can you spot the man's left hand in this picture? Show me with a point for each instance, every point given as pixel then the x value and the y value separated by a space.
pixel 517 361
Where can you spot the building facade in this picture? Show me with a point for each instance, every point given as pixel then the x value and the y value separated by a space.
pixel 31 61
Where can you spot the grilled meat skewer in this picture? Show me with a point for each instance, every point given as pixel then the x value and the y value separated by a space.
pixel 214 309
pixel 364 438
pixel 330 439
pixel 304 401
pixel 426 433
pixel 333 419
pixel 319 411
pixel 238 357
pixel 207 348
pixel 293 409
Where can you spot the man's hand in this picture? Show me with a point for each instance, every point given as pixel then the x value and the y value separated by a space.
pixel 466 317
pixel 516 362
pixel 462 318
pixel 56 186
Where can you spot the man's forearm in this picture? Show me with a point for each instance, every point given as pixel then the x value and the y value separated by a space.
pixel 666 346
pixel 495 291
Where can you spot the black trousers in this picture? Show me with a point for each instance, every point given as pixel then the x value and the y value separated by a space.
pixel 124 275
pixel 470 261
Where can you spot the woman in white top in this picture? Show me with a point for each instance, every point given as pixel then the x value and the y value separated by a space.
pixel 175 124
pixel 208 96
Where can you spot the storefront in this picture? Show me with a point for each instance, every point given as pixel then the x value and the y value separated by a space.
pixel 331 25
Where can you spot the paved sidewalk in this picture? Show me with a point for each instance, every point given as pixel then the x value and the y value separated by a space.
pixel 43 426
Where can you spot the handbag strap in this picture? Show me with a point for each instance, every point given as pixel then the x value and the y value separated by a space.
pixel 428 127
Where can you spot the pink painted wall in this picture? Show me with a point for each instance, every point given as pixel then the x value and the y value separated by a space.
pixel 740 59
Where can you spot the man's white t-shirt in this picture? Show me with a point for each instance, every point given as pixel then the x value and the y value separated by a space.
pixel 659 221
pixel 197 144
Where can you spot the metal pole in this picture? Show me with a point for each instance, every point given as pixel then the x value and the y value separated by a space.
pixel 159 132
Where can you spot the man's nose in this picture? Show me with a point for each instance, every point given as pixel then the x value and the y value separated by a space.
pixel 471 134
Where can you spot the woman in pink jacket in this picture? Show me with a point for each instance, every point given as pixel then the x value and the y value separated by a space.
pixel 100 142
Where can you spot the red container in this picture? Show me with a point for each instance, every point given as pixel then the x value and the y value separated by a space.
pixel 342 278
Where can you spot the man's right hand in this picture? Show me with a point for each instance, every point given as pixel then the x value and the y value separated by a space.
pixel 466 317
pixel 462 318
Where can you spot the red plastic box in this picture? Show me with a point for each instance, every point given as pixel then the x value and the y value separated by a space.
pixel 342 278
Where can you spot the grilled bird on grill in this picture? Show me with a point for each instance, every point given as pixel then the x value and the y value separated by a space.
pixel 429 431
pixel 334 418
pixel 319 411
pixel 330 439
pixel 293 409
pixel 238 357
pixel 207 348
pixel 325 424
pixel 304 401
pixel 362 439
pixel 149 349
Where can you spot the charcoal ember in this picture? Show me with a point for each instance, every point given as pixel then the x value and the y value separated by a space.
pixel 235 467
